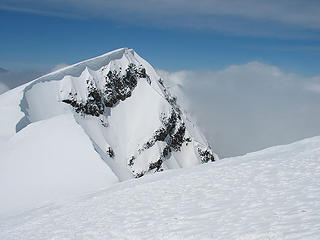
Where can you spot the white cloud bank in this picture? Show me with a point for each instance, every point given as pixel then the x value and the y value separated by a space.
pixel 244 108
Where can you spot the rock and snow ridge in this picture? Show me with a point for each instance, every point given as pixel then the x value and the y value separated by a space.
pixel 272 194
pixel 116 104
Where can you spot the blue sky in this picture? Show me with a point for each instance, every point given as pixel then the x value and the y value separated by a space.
pixel 38 36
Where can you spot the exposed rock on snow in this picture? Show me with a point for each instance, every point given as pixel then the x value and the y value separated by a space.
pixel 117 87
pixel 98 93
pixel 118 104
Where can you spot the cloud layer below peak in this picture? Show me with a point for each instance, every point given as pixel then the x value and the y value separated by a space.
pixel 244 108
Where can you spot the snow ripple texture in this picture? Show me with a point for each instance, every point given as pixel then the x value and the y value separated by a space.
pixel 267 195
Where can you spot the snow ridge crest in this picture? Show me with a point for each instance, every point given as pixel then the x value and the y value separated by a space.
pixel 131 118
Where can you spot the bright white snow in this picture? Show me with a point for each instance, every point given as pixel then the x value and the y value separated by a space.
pixel 273 194
pixel 46 161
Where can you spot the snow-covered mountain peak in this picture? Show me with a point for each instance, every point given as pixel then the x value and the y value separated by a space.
pixel 124 109
pixel 142 129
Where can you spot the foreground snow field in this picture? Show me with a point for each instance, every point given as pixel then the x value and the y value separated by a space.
pixel 267 195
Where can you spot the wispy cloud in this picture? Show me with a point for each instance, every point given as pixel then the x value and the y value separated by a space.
pixel 244 108
pixel 59 66
pixel 53 13
pixel 9 79
pixel 3 88
pixel 283 18
pixel 12 79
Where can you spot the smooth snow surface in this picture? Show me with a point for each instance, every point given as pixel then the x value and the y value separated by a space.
pixel 49 160
pixel 272 194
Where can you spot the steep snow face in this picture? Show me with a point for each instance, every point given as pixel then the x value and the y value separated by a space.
pixel 123 106
pixel 10 113
pixel 272 194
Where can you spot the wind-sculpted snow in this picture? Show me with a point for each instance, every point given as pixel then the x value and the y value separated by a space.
pixel 32 104
pixel 273 194
pixel 122 106
pixel 122 86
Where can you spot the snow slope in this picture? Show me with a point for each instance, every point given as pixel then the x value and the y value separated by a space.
pixel 272 194
pixel 49 160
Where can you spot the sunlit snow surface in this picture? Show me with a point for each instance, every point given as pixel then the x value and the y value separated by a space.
pixel 272 194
